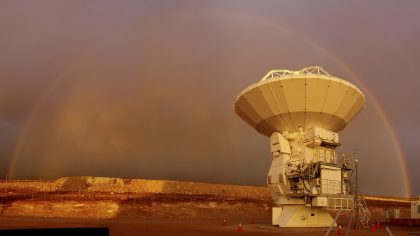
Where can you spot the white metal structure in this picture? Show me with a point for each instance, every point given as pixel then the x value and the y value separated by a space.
pixel 302 111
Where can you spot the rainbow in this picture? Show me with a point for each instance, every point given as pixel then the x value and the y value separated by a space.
pixel 378 108
pixel 38 105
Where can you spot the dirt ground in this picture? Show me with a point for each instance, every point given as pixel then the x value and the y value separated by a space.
pixel 136 226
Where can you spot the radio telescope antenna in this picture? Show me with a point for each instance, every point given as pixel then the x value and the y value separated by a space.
pixel 302 112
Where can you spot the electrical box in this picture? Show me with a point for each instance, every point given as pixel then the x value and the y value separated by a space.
pixel 330 180
pixel 320 201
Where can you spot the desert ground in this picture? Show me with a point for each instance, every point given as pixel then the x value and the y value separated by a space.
pixel 157 207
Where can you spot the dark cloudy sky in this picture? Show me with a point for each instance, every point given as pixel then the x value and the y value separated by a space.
pixel 144 89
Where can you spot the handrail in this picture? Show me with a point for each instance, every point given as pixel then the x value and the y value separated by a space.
pixel 311 70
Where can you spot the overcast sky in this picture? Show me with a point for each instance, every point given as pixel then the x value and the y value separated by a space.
pixel 144 89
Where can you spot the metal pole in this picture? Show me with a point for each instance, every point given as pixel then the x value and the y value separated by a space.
pixel 389 231
pixel 333 223
pixel 356 198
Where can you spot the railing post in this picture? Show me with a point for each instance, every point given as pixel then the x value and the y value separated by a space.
pixel 356 197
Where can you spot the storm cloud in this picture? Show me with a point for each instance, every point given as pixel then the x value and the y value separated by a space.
pixel 144 89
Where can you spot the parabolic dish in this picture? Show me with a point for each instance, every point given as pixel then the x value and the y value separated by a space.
pixel 283 100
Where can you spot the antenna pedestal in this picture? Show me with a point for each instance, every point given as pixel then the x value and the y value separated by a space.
pixel 301 216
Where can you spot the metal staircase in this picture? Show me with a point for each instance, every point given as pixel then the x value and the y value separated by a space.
pixel 364 213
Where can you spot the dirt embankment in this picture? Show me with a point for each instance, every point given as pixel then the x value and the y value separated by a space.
pixel 86 184
pixel 98 197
